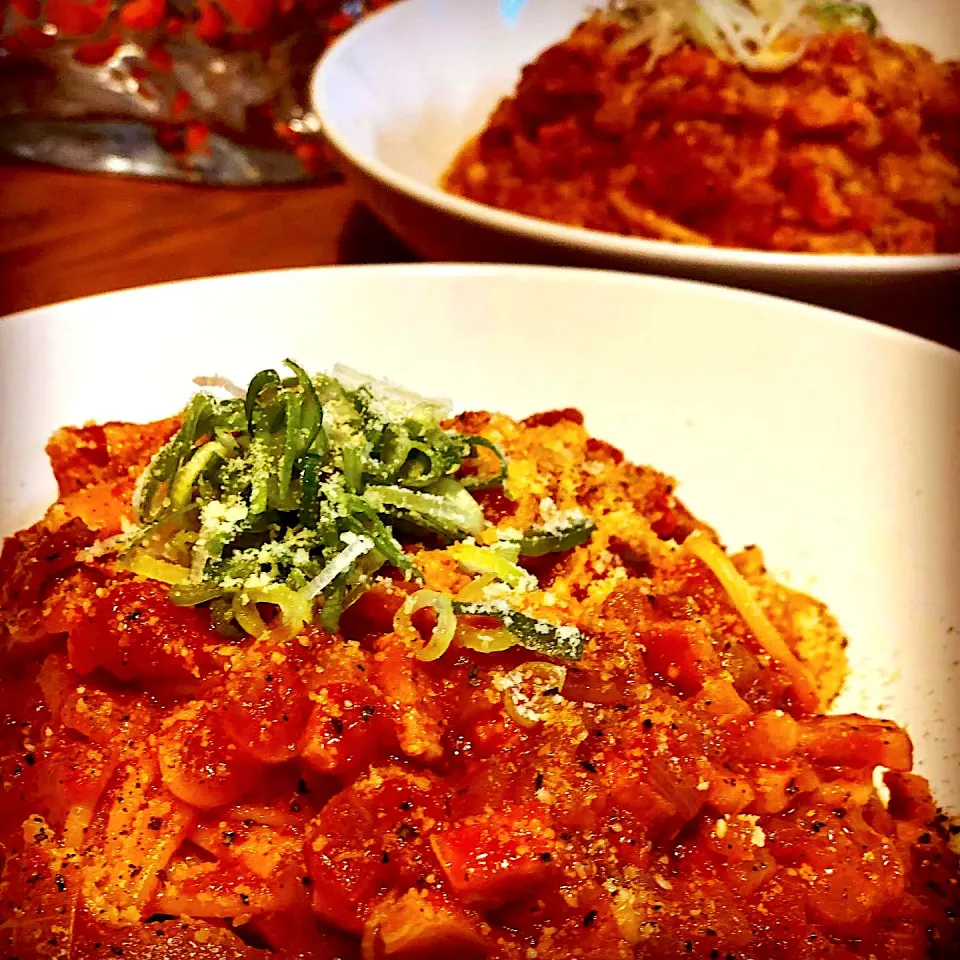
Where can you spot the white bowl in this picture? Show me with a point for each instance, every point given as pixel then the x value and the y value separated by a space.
pixel 831 442
pixel 401 93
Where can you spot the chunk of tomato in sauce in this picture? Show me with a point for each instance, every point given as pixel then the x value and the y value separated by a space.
pixel 423 924
pixel 679 654
pixel 264 709
pixel 32 559
pixel 349 727
pixel 297 933
pixel 370 837
pixel 493 859
pixel 134 632
pixel 855 741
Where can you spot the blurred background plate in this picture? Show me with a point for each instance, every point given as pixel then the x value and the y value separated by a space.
pixel 831 442
pixel 401 93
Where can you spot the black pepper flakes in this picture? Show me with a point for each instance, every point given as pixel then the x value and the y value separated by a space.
pixel 589 918
pixel 60 882
pixel 538 781
pixel 337 725
pixel 588 766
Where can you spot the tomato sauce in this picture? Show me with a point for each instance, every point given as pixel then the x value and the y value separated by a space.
pixel 169 791
pixel 853 149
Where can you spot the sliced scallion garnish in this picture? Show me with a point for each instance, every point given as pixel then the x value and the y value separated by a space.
pixel 486 560
pixel 541 636
pixel 557 536
pixel 285 495
pixel 836 15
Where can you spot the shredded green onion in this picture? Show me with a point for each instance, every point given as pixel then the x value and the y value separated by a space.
pixel 541 636
pixel 485 641
pixel 289 495
pixel 556 537
pixel 486 560
pixel 762 35
pixel 444 630
pixel 154 568
pixel 848 16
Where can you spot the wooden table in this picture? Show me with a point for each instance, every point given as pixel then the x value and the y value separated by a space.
pixel 65 235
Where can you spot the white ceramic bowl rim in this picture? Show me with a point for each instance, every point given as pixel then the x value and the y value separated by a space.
pixel 534 272
pixel 562 235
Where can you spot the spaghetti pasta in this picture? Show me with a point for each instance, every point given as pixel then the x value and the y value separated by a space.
pixel 354 733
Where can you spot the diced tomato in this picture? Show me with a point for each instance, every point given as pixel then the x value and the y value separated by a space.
pixel 25 41
pixel 32 559
pixel 135 632
pixel 424 925
pixel 855 741
pixel 492 859
pixel 197 137
pixel 370 836
pixel 372 615
pixel 264 708
pixel 297 933
pixel 660 791
pixel 910 797
pixel 347 729
pixel 93 54
pixel 160 57
pixel 769 737
pixel 679 654
pixel 212 24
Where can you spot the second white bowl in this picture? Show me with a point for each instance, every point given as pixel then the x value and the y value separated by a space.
pixel 400 94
